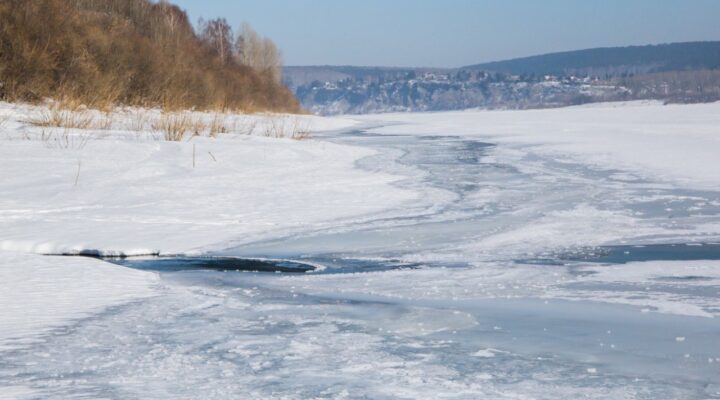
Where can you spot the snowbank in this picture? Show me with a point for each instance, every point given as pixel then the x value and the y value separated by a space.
pixel 122 194
pixel 125 192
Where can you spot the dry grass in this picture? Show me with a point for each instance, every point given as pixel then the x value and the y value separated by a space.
pixel 168 126
pixel 197 126
pixel 105 121
pixel 282 127
pixel 300 130
pixel 219 126
pixel 57 117
pixel 246 127
pixel 63 139
pixel 68 114
pixel 174 127
pixel 139 121
pixel 275 128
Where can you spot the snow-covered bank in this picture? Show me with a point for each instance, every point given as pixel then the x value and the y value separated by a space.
pixel 120 194
pixel 39 293
pixel 677 143
pixel 125 192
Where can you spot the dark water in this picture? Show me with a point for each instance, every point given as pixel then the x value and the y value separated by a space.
pixel 315 265
pixel 177 264
pixel 619 254
pixel 622 254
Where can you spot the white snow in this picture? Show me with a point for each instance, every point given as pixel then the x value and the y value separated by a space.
pixel 636 272
pixel 143 196
pixel 120 192
pixel 484 353
pixel 39 293
pixel 679 143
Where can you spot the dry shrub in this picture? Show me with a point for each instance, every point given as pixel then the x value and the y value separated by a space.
pixel 139 121
pixel 197 126
pixel 275 127
pixel 69 114
pixel 56 117
pixel 300 130
pixel 246 126
pixel 63 139
pixel 218 126
pixel 173 126
pixel 176 125
pixel 283 127
pixel 104 121
pixel 3 120
pixel 134 52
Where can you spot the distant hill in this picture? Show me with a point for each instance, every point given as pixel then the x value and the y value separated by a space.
pixel 614 61
pixel 680 72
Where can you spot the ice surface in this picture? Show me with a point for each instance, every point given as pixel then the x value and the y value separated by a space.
pixel 218 336
pixel 445 241
pixel 675 142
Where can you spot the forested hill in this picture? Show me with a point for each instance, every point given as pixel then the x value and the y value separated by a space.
pixel 614 61
pixel 134 52
pixel 680 72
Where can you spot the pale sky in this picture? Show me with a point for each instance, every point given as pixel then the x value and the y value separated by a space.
pixel 452 33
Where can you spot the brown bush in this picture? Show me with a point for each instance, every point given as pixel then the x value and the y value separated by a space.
pixel 134 52
pixel 174 127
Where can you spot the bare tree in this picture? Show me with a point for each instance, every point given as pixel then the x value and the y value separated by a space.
pixel 218 34
pixel 259 53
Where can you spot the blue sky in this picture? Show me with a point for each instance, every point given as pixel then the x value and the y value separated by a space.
pixel 451 33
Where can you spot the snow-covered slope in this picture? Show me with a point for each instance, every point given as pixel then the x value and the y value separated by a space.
pixel 120 194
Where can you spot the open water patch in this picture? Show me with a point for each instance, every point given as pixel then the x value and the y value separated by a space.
pixel 623 254
pixel 653 252
pixel 177 264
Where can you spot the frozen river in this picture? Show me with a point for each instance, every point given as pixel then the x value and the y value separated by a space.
pixel 531 279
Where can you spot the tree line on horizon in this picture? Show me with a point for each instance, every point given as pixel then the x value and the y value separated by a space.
pixel 102 53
